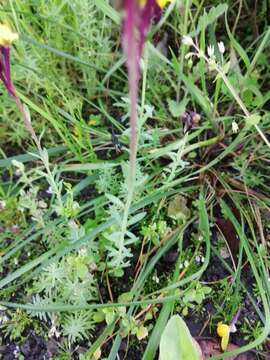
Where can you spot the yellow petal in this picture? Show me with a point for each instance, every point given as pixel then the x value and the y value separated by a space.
pixel 7 36
pixel 225 342
pixel 142 3
pixel 223 331
pixel 163 3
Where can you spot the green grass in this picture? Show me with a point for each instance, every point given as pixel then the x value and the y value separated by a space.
pixel 74 260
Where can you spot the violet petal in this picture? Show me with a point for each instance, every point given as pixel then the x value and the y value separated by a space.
pixel 5 74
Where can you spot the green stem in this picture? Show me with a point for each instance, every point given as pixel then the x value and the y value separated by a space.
pixel 232 91
pixel 134 131
pixel 29 127
pixel 183 52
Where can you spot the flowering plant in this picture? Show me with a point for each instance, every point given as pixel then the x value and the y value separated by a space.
pixel 224 330
pixel 138 15
pixel 6 39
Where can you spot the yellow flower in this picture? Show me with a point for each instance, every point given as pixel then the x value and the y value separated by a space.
pixel 163 3
pixel 7 36
pixel 223 331
pixel 142 3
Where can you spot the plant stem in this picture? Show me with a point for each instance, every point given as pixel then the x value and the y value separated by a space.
pixel 183 52
pixel 133 96
pixel 29 127
pixel 134 129
pixel 232 91
pixel 27 122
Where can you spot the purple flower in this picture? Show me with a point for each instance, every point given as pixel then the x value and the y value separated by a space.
pixel 6 39
pixel 138 15
pixel 5 75
pixel 137 20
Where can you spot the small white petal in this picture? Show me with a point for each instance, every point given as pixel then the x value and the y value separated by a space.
pixel 235 127
pixel 49 190
pixel 189 55
pixel 2 204
pixel 210 50
pixel 221 47
pixel 233 328
pixel 187 40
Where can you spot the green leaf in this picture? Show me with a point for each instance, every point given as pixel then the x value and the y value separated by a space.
pixel 236 45
pixel 108 10
pixel 114 200
pixel 197 94
pixel 178 209
pixel 206 289
pixel 177 108
pixel 99 316
pixel 209 18
pixel 109 317
pixel 136 218
pixel 82 270
pixel 125 297
pixel 177 342
pixel 253 119
pixel 142 332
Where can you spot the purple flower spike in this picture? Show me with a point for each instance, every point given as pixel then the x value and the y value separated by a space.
pixel 137 19
pixel 5 75
pixel 6 39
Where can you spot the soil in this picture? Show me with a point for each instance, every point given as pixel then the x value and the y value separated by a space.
pixel 34 348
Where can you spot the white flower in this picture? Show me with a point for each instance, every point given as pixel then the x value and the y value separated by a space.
pixel 189 55
pixel 187 40
pixel 2 204
pixel 156 279
pixel 49 190
pixel 54 332
pixel 221 47
pixel 235 127
pixel 186 263
pixel 210 50
pixel 82 251
pixel 233 328
pixel 18 172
